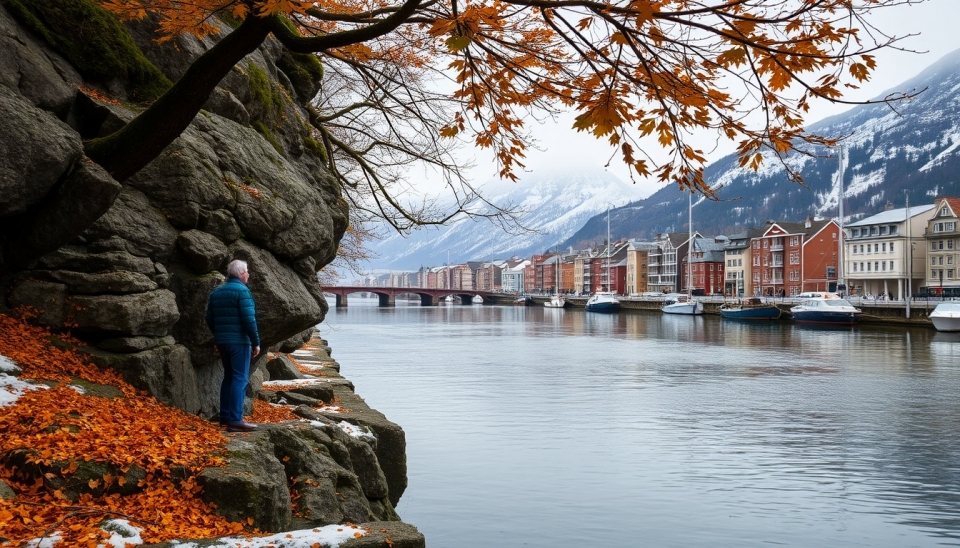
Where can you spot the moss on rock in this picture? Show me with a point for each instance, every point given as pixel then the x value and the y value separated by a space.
pixel 94 42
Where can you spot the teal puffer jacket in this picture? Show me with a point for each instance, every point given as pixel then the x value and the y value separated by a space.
pixel 231 315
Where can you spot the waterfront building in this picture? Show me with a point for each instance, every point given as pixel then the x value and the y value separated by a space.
pixel 662 266
pixel 567 273
pixel 942 237
pixel 547 273
pixel 737 264
pixel 879 250
pixel 637 268
pixel 512 275
pixel 706 261
pixel 681 244
pixel 790 258
pixel 582 272
pixel 530 281
pixel 462 277
pixel 609 279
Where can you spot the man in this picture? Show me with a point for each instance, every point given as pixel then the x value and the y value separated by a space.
pixel 231 317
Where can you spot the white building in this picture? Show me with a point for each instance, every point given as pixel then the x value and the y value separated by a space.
pixel 942 235
pixel 879 250
pixel 512 275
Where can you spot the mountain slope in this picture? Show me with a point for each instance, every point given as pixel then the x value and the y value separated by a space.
pixel 911 152
pixel 554 205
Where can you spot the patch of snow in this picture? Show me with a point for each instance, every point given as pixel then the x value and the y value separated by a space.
pixel 301 353
pixel 294 382
pixel 352 430
pixel 11 388
pixel 121 534
pixel 50 541
pixel 332 409
pixel 7 365
pixel 329 536
pixel 79 389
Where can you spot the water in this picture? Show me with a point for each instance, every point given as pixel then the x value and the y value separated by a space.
pixel 536 427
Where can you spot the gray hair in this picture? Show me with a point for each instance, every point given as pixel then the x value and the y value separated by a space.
pixel 236 268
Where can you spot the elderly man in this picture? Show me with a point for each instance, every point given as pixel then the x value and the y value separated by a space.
pixel 231 317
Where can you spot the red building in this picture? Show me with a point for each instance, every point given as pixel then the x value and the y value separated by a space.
pixel 790 258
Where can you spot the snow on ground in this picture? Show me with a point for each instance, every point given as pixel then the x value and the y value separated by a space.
pixel 330 536
pixel 353 430
pixel 11 388
pixel 295 382
pixel 50 541
pixel 7 365
pixel 121 534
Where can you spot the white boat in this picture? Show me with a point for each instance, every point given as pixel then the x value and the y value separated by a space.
pixel 556 301
pixel 477 299
pixel 688 305
pixel 946 316
pixel 604 301
pixel 825 310
pixel 449 299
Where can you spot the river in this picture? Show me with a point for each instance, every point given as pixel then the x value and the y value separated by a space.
pixel 538 427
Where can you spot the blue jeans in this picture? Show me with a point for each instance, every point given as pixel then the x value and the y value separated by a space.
pixel 236 371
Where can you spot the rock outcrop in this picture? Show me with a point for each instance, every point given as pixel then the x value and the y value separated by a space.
pixel 128 268
pixel 238 183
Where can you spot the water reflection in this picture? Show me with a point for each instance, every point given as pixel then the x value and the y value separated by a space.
pixel 530 426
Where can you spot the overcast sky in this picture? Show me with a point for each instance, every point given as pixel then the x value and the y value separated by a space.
pixel 937 23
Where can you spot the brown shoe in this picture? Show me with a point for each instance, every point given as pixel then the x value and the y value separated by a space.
pixel 242 426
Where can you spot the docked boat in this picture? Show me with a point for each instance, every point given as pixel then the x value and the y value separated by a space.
pixel 477 299
pixel 603 301
pixel 750 309
pixel 556 301
pixel 522 301
pixel 825 310
pixel 686 305
pixel 683 305
pixel 946 316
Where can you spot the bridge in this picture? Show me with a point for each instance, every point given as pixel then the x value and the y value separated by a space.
pixel 428 296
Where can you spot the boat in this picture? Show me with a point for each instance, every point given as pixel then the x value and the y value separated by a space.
pixel 604 301
pixel 477 299
pixel 449 299
pixel 825 310
pixel 683 305
pixel 521 301
pixel 946 316
pixel 556 300
pixel 750 309
pixel 688 305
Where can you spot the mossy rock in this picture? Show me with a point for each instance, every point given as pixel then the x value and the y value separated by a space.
pixel 94 42
pixel 305 72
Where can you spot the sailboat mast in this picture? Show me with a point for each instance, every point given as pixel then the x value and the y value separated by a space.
pixel 690 245
pixel 840 200
pixel 609 282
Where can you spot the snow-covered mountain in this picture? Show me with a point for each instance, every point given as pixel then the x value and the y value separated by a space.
pixel 553 205
pixel 911 151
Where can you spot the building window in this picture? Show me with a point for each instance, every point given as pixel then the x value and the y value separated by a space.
pixel 949 259
pixel 891 246
pixel 854 267
pixel 949 244
pixel 876 248
pixel 949 273
pixel 856 233
pixel 794 241
pixel 893 229
pixel 933 261
pixel 891 265
pixel 939 244
pixel 940 260
pixel 868 267
pixel 884 265
pixel 883 231
pixel 944 212
pixel 933 246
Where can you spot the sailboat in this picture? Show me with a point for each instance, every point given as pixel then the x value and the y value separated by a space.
pixel 556 301
pixel 689 306
pixel 605 301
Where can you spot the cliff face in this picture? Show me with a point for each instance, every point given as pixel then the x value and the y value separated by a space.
pixel 244 181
